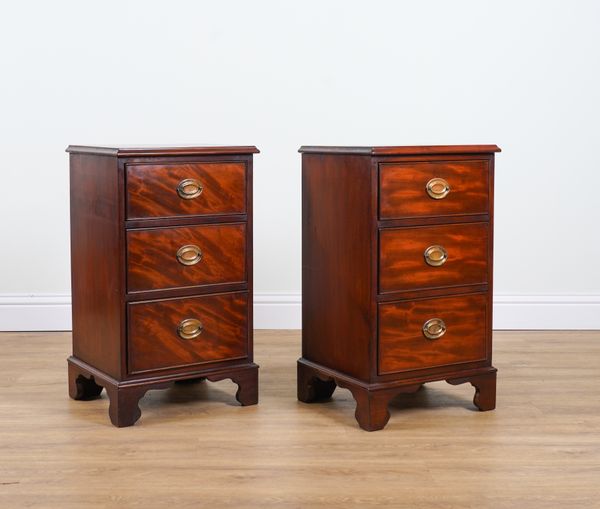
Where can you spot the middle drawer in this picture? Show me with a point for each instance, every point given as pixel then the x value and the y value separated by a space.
pixel 162 258
pixel 417 258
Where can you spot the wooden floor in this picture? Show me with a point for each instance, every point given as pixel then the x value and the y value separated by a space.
pixel 194 447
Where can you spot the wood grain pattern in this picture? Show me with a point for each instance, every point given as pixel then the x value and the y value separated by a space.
pixel 152 263
pixel 154 343
pixel 336 260
pixel 402 263
pixel 152 189
pixel 403 193
pixel 97 280
pixel 402 345
pixel 193 443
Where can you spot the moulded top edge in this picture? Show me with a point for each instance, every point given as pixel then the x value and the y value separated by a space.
pixel 402 150
pixel 162 150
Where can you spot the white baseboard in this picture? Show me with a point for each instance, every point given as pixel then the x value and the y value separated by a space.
pixel 277 311
pixel 547 312
pixel 283 311
pixel 35 312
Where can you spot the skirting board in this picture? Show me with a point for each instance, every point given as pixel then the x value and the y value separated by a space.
pixel 283 311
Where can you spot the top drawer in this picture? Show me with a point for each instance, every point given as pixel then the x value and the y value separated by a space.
pixel 420 189
pixel 185 189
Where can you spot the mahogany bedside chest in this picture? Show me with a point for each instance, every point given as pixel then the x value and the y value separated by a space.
pixel 396 273
pixel 161 261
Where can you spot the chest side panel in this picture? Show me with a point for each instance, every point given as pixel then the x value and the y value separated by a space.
pixel 337 321
pixel 96 261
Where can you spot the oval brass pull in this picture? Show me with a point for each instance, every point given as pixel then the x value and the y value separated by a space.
pixel 434 328
pixel 190 328
pixel 435 256
pixel 437 188
pixel 189 255
pixel 189 189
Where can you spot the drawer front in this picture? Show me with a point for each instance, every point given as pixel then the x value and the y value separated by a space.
pixel 187 189
pixel 404 192
pixel 432 256
pixel 404 346
pixel 162 258
pixel 216 330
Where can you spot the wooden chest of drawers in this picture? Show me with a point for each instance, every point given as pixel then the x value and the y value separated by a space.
pixel 161 260
pixel 396 273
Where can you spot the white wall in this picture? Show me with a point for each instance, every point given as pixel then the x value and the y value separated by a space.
pixel 522 74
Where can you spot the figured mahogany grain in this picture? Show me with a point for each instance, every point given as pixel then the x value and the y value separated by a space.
pixel 403 346
pixel 402 264
pixel 152 262
pixel 403 193
pixel 152 189
pixel 153 342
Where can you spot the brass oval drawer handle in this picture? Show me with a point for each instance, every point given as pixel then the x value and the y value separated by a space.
pixel 434 328
pixel 189 255
pixel 437 188
pixel 435 255
pixel 190 328
pixel 189 189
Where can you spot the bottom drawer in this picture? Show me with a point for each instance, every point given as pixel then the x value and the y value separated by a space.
pixel 432 332
pixel 179 332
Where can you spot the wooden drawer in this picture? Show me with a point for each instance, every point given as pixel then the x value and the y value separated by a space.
pixel 403 189
pixel 154 340
pixel 403 345
pixel 160 190
pixel 161 258
pixel 403 264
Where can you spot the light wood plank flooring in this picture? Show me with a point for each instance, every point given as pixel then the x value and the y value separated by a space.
pixel 194 447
